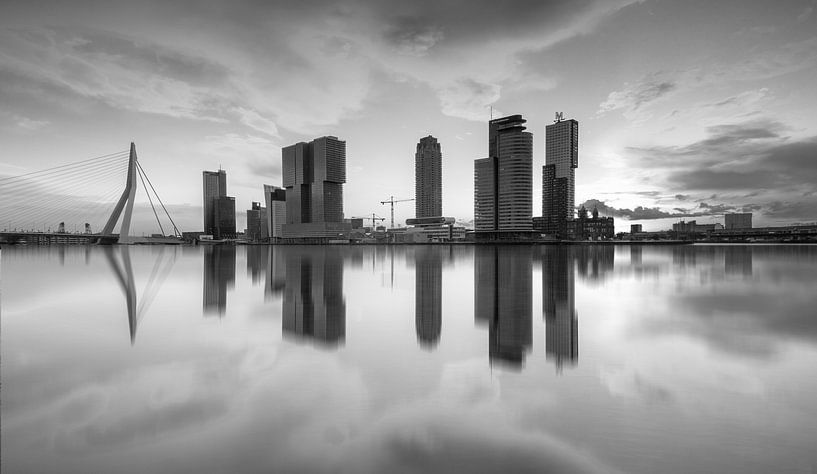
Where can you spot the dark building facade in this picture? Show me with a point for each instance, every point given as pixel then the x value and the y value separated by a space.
pixel 224 216
pixel 590 228
pixel 503 182
pixel 428 173
pixel 314 174
pixel 559 175
pixel 257 223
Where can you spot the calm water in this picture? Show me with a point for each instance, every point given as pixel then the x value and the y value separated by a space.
pixel 409 359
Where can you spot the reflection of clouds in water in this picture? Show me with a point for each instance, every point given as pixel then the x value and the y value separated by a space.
pixel 629 383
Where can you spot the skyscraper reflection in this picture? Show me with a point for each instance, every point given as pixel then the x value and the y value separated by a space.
pixel 428 273
pixel 314 307
pixel 276 272
pixel 595 262
pixel 219 275
pixel 257 261
pixel 503 291
pixel 559 305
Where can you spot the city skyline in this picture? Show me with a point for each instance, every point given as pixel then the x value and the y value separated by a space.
pixel 677 121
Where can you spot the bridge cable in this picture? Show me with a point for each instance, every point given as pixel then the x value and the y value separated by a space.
pixel 150 200
pixel 175 228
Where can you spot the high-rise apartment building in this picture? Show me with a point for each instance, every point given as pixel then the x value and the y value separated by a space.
pixel 314 174
pixel 214 184
pixel 428 184
pixel 559 175
pixel 275 198
pixel 224 217
pixel 503 182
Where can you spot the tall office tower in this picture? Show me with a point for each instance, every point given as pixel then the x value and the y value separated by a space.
pixel 275 199
pixel 503 182
pixel 428 294
pixel 559 174
pixel 214 185
pixel 428 178
pixel 503 299
pixel 313 306
pixel 314 174
pixel 559 306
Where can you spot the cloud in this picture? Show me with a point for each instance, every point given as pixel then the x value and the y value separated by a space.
pixel 635 95
pixel 412 38
pixel 467 98
pixel 30 125
pixel 650 213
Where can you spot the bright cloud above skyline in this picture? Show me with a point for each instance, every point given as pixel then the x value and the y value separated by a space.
pixel 712 102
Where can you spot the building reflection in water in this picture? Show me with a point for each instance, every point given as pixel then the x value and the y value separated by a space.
pixel 559 305
pixel 503 299
pixel 595 262
pixel 738 260
pixel 257 262
pixel 428 271
pixel 276 272
pixel 219 275
pixel 314 308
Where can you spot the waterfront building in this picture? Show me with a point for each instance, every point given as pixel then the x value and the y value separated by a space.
pixel 314 174
pixel 257 228
pixel 734 221
pixel 636 228
pixel 503 182
pixel 275 199
pixel 214 185
pixel 559 175
pixel 590 228
pixel 428 184
pixel 224 217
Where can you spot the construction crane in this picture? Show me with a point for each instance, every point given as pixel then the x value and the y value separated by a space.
pixel 392 201
pixel 374 219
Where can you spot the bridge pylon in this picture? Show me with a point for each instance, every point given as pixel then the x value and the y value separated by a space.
pixel 126 202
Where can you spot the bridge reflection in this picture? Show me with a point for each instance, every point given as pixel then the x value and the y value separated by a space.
pixel 119 259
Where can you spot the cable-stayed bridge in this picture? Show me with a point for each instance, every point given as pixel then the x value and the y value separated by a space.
pixel 80 203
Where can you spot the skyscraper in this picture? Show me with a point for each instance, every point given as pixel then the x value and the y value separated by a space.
pixel 314 174
pixel 503 182
pixel 214 184
pixel 559 174
pixel 257 223
pixel 275 199
pixel 428 185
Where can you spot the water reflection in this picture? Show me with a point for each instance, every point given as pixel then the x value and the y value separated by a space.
pixel 738 261
pixel 125 278
pixel 559 305
pixel 219 276
pixel 314 307
pixel 428 291
pixel 503 298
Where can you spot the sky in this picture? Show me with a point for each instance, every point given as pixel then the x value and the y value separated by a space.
pixel 686 109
